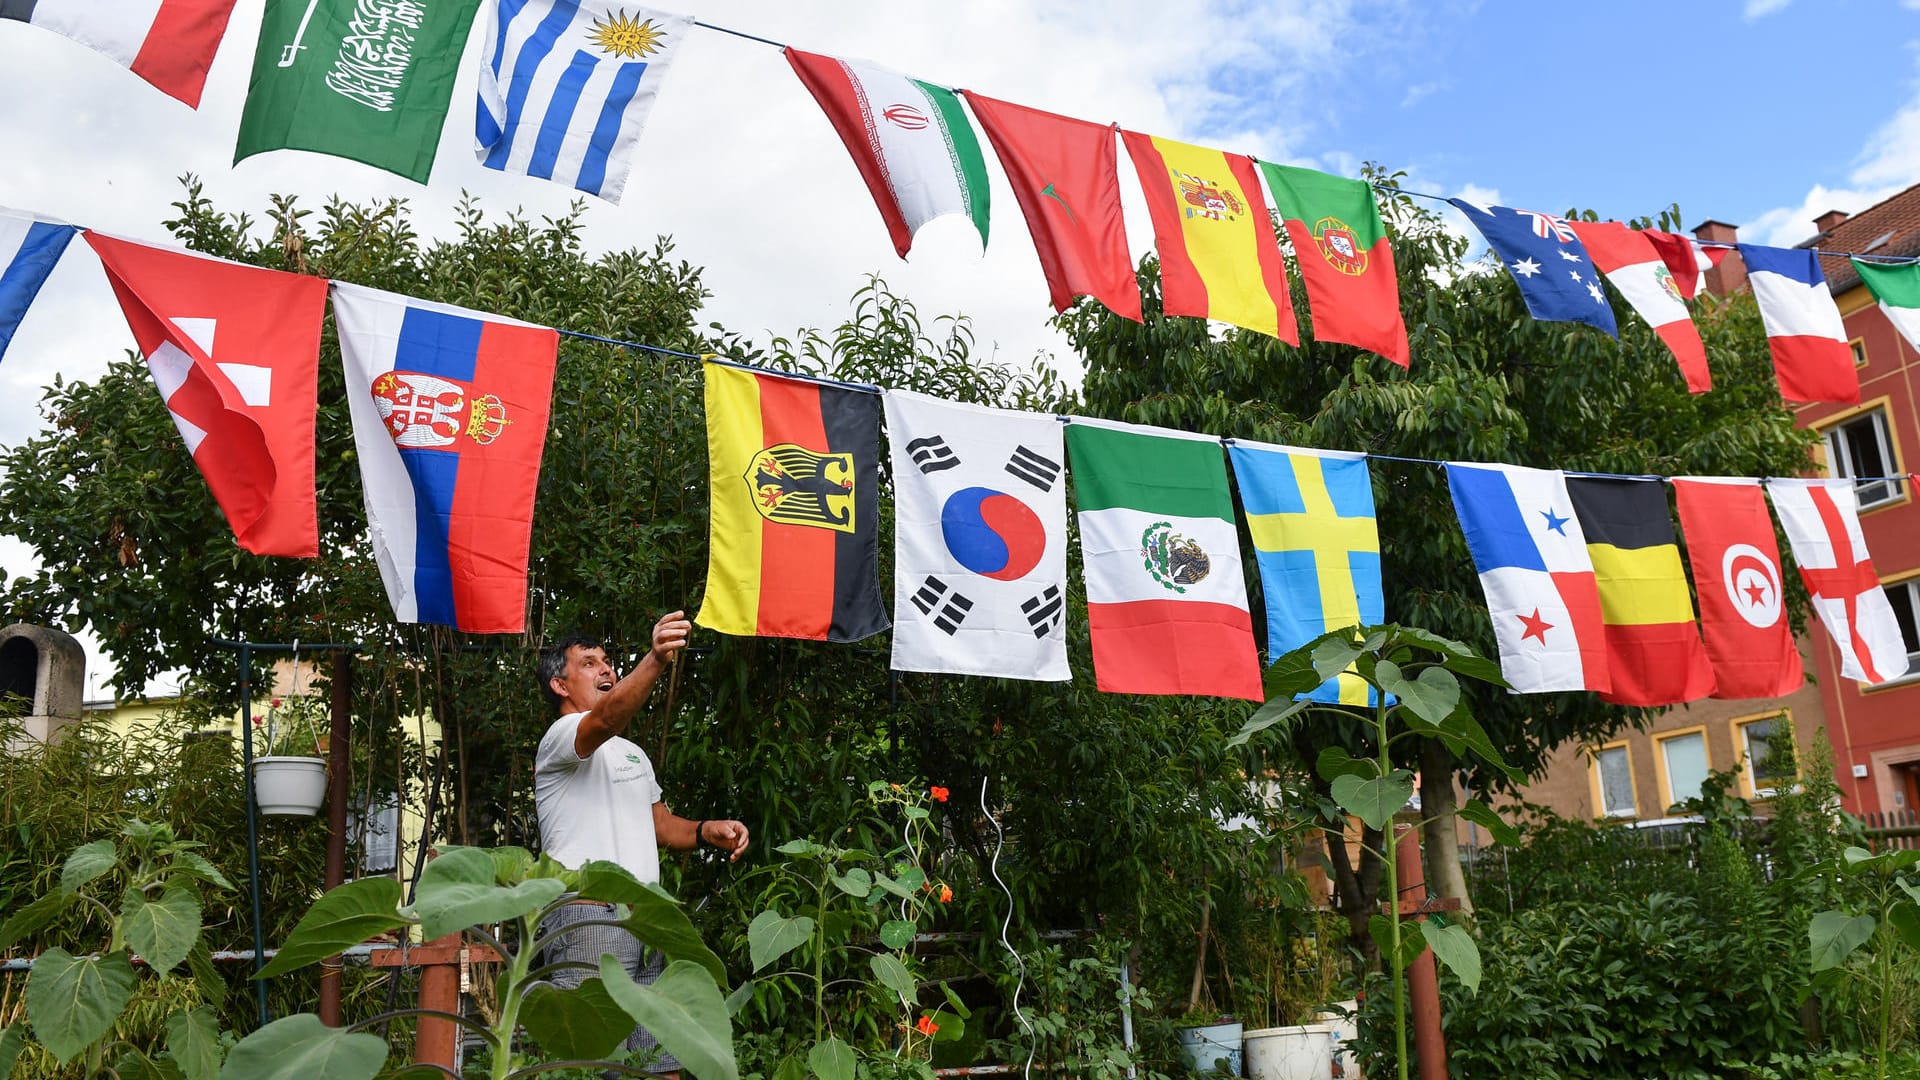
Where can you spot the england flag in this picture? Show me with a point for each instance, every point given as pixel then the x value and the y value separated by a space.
pixel 980 540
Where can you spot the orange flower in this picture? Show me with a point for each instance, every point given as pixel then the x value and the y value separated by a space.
pixel 926 1025
pixel 946 894
pixel 939 794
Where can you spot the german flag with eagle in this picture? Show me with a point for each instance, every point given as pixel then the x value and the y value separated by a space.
pixel 794 534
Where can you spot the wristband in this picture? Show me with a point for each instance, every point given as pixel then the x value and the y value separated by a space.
pixel 700 834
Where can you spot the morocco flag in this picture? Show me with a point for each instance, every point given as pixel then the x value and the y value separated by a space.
pixel 794 549
pixel 1736 568
pixel 235 351
pixel 1632 264
pixel 169 43
pixel 1166 600
pixel 1345 260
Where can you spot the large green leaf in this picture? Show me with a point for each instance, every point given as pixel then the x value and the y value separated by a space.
pixel 683 1009
pixel 12 1041
pixel 1484 816
pixel 947 1027
pixel 1463 735
pixel 1454 947
pixel 856 882
pixel 1412 943
pixel 346 916
pixel 72 1001
pixel 161 931
pixel 1373 801
pixel 771 936
pixel 897 933
pixel 511 865
pixel 831 1060
pixel 1289 675
pixel 135 1065
pixel 1833 935
pixel 87 862
pixel 653 916
pixel 1904 917
pixel 193 1041
pixel 1334 762
pixel 1431 695
pixel 300 1047
pixel 893 975
pixel 1334 653
pixel 33 917
pixel 192 865
pixel 575 1024
pixel 457 891
pixel 1264 717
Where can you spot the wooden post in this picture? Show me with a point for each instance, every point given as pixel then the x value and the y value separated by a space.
pixel 1423 982
pixel 339 783
pixel 443 964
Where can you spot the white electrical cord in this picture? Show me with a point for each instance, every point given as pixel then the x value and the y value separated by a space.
pixel 1019 966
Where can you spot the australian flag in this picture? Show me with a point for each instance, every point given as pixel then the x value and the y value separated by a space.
pixel 29 248
pixel 1557 279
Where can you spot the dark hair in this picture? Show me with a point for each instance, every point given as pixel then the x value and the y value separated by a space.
pixel 553 663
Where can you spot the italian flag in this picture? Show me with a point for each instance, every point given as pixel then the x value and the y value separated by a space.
pixel 1897 287
pixel 911 140
pixel 1166 599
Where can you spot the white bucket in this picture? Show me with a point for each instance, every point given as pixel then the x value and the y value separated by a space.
pixel 1202 1046
pixel 289 785
pixel 1346 1064
pixel 1291 1053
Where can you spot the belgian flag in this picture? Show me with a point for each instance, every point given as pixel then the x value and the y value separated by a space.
pixel 1653 645
pixel 794 529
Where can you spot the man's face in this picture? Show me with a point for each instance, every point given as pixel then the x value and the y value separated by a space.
pixel 589 677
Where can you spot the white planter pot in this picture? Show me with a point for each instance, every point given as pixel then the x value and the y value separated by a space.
pixel 1346 1064
pixel 289 785
pixel 1291 1053
pixel 1202 1046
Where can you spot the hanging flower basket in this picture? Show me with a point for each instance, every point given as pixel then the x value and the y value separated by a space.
pixel 289 785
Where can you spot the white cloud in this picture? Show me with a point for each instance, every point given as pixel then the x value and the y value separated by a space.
pixel 1759 9
pixel 1419 91
pixel 1889 163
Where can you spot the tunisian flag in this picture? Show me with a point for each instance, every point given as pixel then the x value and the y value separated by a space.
pixel 235 352
pixel 1065 173
pixel 1736 573
pixel 1632 264
pixel 169 43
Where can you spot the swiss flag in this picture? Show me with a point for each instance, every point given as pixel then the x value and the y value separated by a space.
pixel 1737 575
pixel 235 352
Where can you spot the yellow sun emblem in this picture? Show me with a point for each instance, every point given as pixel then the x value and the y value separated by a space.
pixel 620 35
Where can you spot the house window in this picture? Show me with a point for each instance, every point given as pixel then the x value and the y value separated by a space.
pixel 1863 446
pixel 1767 762
pixel 1613 779
pixel 1859 349
pixel 1683 764
pixel 1905 598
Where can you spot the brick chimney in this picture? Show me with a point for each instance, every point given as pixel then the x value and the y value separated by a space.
pixel 1731 274
pixel 1826 222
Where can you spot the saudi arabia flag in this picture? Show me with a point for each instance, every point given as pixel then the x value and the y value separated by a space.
pixel 1897 287
pixel 1166 602
pixel 911 140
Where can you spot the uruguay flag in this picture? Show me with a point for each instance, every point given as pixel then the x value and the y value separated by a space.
pixel 29 249
pixel 568 86
pixel 1811 359
pixel 449 417
pixel 1538 576
pixel 1557 278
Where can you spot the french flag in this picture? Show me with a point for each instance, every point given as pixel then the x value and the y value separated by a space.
pixel 450 412
pixel 1810 355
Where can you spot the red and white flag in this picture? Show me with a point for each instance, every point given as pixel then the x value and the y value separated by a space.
pixel 235 352
pixel 1736 572
pixel 1634 267
pixel 1822 520
pixel 169 43
pixel 1687 259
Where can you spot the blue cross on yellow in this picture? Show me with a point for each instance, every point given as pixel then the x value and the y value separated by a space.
pixel 1317 541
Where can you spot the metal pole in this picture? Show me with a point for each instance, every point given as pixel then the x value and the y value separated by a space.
pixel 253 828
pixel 339 783
pixel 1126 1013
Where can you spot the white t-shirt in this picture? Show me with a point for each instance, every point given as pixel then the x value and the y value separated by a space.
pixel 598 807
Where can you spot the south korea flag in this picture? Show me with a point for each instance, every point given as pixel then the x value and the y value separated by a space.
pixel 980 539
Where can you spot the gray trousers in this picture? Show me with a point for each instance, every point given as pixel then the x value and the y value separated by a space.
pixel 588 944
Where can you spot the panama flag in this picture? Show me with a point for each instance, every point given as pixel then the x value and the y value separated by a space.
pixel 1538 576
pixel 1822 521
pixel 980 540
pixel 235 353
pixel 1811 359
pixel 1736 570
pixel 29 250
pixel 1630 262
pixel 567 88
pixel 910 139
pixel 449 416
pixel 1166 599
pixel 169 43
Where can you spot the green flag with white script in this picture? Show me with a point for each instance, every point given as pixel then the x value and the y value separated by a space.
pixel 363 79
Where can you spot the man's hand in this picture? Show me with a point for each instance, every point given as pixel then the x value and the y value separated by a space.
pixel 670 636
pixel 728 836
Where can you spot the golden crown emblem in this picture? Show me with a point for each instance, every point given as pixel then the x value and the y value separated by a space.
pixel 486 419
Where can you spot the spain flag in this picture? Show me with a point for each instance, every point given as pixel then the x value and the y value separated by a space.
pixel 794 532
pixel 1219 257
pixel 1653 644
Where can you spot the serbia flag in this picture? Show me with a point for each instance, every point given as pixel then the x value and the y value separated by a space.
pixel 450 414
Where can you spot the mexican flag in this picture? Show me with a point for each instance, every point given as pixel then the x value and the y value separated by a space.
pixel 1166 599
pixel 910 139
pixel 1897 287
pixel 1341 246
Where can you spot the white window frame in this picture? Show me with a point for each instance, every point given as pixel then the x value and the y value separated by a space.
pixel 1840 438
pixel 1664 775
pixel 1911 587
pixel 1600 782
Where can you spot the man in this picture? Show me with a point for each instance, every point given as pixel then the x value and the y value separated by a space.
pixel 598 799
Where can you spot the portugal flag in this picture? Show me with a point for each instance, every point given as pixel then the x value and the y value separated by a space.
pixel 1345 260
pixel 1736 564
pixel 1218 255
pixel 795 529
pixel 1653 645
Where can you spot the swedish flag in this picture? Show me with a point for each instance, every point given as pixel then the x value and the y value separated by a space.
pixel 1317 541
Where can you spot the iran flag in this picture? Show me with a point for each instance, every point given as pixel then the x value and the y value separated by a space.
pixel 169 43
pixel 1635 268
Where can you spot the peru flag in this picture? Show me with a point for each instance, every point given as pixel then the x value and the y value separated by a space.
pixel 1810 355
pixel 169 43
pixel 1822 521
pixel 1634 267
pixel 1736 573
pixel 1686 258
pixel 450 416
pixel 235 351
